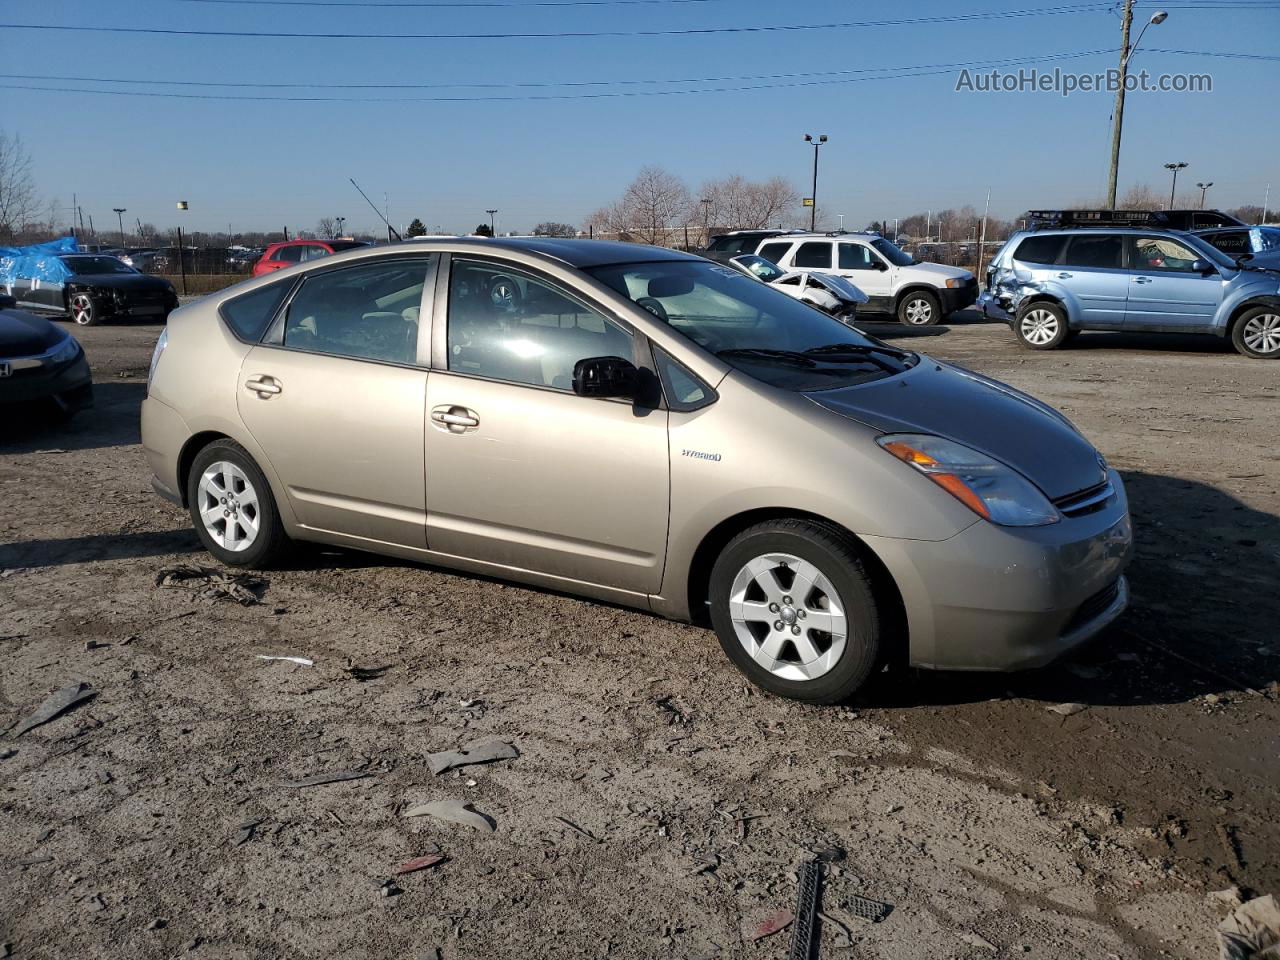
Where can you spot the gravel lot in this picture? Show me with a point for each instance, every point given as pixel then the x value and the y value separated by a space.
pixel 659 807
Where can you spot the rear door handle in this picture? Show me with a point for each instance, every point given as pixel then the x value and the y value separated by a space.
pixel 1141 279
pixel 263 385
pixel 454 418
pixel 1064 276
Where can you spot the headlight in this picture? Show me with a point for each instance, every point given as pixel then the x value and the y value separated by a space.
pixel 956 283
pixel 161 343
pixel 64 351
pixel 989 488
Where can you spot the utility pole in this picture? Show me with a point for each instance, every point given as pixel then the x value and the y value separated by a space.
pixel 813 197
pixel 706 221
pixel 1175 167
pixel 1204 188
pixel 120 212
pixel 1117 117
pixel 1266 201
pixel 982 244
pixel 493 229
pixel 75 208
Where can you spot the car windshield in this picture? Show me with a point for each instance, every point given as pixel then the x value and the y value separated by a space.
pixel 1209 251
pixel 92 265
pixel 760 267
pixel 892 252
pixel 1265 239
pixel 754 327
pixel 340 245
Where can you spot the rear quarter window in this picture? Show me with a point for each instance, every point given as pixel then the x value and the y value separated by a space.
pixel 774 252
pixel 249 314
pixel 1044 248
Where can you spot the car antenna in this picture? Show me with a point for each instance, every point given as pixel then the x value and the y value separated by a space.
pixel 390 228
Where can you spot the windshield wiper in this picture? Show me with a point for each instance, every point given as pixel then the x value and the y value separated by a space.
pixel 835 349
pixel 789 357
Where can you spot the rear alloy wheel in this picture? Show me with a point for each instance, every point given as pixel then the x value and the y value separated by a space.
pixel 504 293
pixel 232 508
pixel 1257 333
pixel 919 309
pixel 794 610
pixel 1042 326
pixel 83 310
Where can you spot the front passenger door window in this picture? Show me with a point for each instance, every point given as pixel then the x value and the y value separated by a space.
pixel 505 324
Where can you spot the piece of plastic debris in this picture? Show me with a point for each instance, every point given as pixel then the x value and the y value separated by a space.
pixel 365 674
pixel 322 778
pixel 1252 931
pixel 419 863
pixel 864 908
pixel 390 889
pixel 454 811
pixel 8 752
pixel 300 661
pixel 809 892
pixel 1067 709
pixel 485 751
pixel 242 588
pixel 772 924
pixel 55 704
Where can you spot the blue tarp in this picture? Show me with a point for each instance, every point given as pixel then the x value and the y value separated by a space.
pixel 36 262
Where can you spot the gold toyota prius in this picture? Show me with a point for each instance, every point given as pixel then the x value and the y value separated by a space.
pixel 646 427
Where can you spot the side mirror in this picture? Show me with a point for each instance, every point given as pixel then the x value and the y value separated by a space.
pixel 881 266
pixel 7 302
pixel 1201 265
pixel 604 377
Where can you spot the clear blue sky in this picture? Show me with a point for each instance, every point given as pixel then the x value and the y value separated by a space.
pixel 896 146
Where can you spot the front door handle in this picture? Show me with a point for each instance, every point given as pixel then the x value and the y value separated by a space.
pixel 1064 276
pixel 1141 279
pixel 454 418
pixel 263 385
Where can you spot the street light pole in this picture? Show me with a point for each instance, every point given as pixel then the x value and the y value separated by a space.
pixel 1175 167
pixel 1117 118
pixel 120 212
pixel 813 196
pixel 706 221
pixel 1204 188
pixel 493 230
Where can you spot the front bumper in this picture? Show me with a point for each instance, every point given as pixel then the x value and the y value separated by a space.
pixel 70 385
pixel 957 298
pixel 1004 598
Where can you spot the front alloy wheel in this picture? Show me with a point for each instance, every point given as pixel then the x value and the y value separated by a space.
pixel 1257 333
pixel 1042 326
pixel 920 310
pixel 83 311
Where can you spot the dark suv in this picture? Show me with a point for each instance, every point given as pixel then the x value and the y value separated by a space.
pixel 737 243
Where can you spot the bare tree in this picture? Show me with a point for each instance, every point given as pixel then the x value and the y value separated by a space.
pixel 740 204
pixel 326 227
pixel 655 204
pixel 18 202
pixel 549 228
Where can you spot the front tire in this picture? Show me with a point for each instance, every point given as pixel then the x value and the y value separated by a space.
pixel 232 508
pixel 1042 326
pixel 82 309
pixel 793 607
pixel 919 309
pixel 1257 333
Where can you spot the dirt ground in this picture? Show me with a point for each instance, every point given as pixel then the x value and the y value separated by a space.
pixel 659 807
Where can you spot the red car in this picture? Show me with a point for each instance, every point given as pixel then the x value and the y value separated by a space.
pixel 286 254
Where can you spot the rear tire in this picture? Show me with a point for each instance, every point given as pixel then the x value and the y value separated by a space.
pixel 1257 333
pixel 82 309
pixel 1041 326
pixel 232 507
pixel 794 609
pixel 919 308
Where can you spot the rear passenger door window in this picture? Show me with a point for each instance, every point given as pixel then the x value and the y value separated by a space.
pixel 815 255
pixel 1099 251
pixel 367 312
pixel 505 324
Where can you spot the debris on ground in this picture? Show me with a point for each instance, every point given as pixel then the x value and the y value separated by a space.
pixel 864 908
pixel 390 888
pixel 772 924
pixel 979 941
pixel 244 833
pixel 7 753
pixel 419 863
pixel 479 751
pixel 58 702
pixel 808 896
pixel 1067 709
pixel 300 661
pixel 322 778
pixel 579 830
pixel 365 674
pixel 676 712
pixel 454 811
pixel 1252 931
pixel 1231 897
pixel 242 588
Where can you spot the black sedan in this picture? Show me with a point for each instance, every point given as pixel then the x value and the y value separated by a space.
pixel 40 361
pixel 100 288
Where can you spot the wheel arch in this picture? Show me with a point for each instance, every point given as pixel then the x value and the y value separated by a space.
pixel 915 286
pixel 1245 305
pixel 715 540
pixel 187 456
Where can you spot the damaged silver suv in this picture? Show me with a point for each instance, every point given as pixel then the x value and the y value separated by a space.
pixel 1119 274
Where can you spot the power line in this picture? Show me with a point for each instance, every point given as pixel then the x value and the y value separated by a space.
pixel 904 73
pixel 445 4
pixel 1075 8
pixel 317 85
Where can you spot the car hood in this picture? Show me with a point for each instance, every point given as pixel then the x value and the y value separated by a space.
pixel 939 270
pixel 25 335
pixel 1004 423
pixel 120 281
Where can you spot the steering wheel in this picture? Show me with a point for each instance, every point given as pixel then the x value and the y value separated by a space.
pixel 655 307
